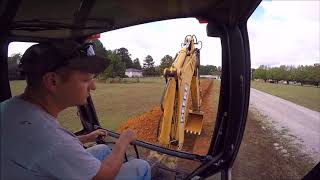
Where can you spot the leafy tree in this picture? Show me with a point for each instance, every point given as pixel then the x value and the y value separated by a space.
pixel 136 64
pixel 275 74
pixel 316 74
pixel 125 57
pixel 203 70
pixel 165 62
pixel 269 74
pixel 148 66
pixel 14 58
pixel 157 70
pixel 260 73
pixel 208 70
pixel 309 75
pixel 291 76
pixel 284 73
pixel 301 75
pixel 117 67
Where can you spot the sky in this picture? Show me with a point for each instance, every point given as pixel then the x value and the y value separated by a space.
pixel 280 33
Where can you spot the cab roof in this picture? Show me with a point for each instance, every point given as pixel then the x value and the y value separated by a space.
pixel 32 20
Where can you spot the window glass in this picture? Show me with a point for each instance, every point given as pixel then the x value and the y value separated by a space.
pixel 129 93
pixel 284 50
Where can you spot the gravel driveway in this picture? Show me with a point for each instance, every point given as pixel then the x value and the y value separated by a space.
pixel 300 122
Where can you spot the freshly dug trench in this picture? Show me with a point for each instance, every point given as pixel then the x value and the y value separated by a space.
pixel 146 125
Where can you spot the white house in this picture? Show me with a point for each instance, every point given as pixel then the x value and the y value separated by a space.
pixel 131 72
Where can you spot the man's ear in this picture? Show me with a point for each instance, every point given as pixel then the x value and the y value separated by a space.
pixel 50 81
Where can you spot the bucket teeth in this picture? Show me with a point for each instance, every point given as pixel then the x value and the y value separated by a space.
pixel 193 132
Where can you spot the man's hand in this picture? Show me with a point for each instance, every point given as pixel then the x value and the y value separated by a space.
pixel 91 137
pixel 94 134
pixel 127 136
pixel 110 167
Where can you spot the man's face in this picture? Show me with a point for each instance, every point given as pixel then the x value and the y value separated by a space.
pixel 74 89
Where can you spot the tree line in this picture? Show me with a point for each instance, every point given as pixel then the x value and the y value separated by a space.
pixel 120 60
pixel 309 74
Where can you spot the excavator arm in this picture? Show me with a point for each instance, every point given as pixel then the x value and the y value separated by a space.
pixel 180 114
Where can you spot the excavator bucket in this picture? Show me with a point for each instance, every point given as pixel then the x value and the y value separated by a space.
pixel 194 122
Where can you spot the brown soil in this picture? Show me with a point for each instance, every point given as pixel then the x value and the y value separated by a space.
pixel 146 125
pixel 208 107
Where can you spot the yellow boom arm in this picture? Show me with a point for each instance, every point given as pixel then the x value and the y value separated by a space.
pixel 182 81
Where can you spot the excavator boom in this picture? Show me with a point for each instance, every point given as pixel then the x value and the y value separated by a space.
pixel 181 102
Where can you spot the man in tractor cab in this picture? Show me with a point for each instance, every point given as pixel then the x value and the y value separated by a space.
pixel 34 145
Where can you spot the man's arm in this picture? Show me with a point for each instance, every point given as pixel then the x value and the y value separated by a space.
pixel 110 167
pixel 91 137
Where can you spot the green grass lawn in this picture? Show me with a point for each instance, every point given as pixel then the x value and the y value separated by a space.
pixel 114 103
pixel 306 96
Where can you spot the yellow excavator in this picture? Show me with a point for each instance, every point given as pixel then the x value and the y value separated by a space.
pixel 182 92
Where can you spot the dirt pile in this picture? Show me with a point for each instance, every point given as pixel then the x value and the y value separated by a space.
pixel 146 125
pixel 209 109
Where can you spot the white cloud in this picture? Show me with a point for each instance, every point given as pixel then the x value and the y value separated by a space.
pixel 287 33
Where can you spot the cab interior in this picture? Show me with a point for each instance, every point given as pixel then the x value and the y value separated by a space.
pixel 38 21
